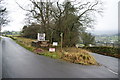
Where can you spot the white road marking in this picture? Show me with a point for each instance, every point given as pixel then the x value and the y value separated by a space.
pixel 113 71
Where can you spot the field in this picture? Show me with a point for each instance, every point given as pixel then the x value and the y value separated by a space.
pixel 107 38
pixel 70 54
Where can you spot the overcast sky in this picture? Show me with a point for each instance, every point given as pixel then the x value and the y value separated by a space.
pixel 108 22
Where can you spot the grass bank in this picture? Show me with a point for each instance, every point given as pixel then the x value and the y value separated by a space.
pixel 70 54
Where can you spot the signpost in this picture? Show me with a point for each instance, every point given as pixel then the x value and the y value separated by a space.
pixel 61 40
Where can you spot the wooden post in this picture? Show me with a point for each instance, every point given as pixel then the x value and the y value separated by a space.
pixel 61 41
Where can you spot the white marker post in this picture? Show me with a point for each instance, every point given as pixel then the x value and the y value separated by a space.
pixel 38 37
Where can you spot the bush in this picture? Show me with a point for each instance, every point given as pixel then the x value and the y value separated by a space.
pixel 31 31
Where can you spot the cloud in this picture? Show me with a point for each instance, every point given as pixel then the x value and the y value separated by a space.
pixel 109 21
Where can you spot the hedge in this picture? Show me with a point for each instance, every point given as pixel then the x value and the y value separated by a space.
pixel 108 51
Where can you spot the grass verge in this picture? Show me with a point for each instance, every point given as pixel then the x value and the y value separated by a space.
pixel 70 54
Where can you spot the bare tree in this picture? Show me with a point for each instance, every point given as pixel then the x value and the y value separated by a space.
pixel 3 15
pixel 70 18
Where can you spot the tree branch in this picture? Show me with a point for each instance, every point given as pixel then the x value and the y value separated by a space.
pixel 22 7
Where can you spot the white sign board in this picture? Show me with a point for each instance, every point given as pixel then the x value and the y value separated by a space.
pixel 41 37
pixel 51 49
pixel 55 43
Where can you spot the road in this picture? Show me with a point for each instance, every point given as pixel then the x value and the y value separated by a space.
pixel 18 62
pixel 0 60
pixel 110 63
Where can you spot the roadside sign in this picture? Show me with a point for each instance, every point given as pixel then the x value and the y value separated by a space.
pixel 51 49
pixel 41 37
pixel 55 43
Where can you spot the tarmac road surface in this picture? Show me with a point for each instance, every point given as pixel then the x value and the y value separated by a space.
pixel 18 62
